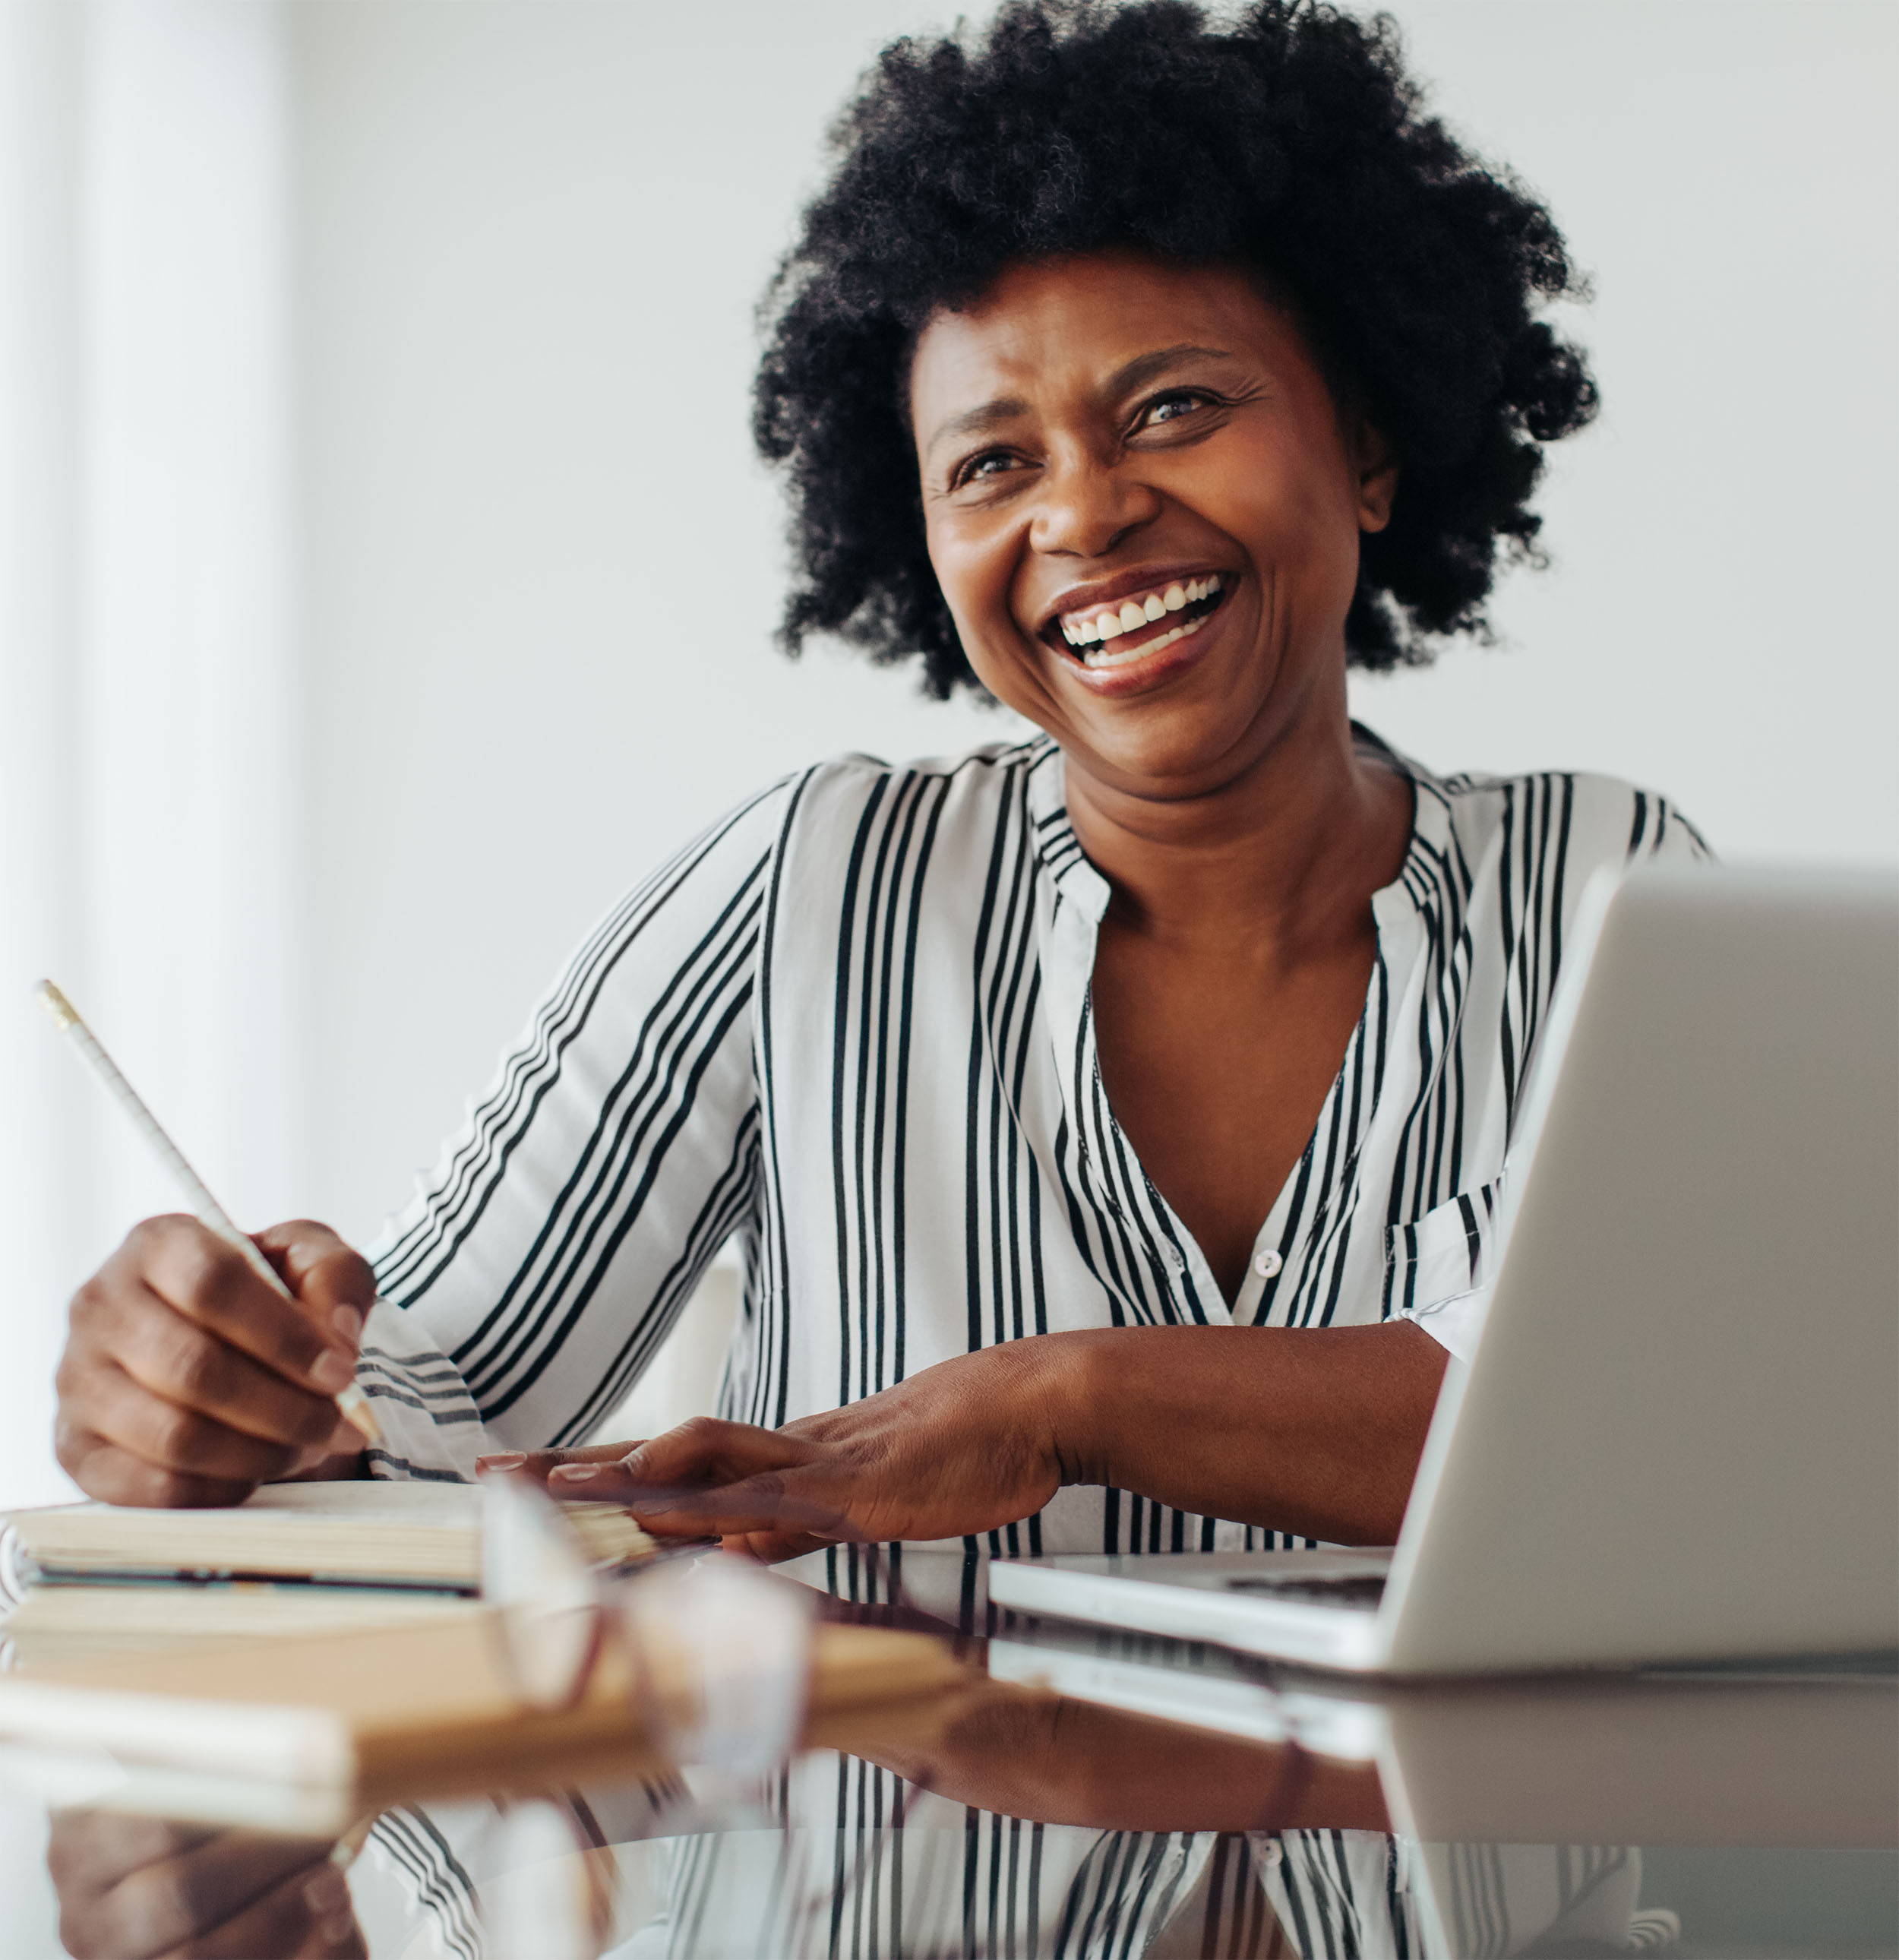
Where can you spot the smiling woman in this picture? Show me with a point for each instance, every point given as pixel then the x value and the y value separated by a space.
pixel 1112 1122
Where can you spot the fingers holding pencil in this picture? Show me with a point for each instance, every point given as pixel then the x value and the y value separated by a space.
pixel 201 1362
pixel 186 1381
pixel 352 1403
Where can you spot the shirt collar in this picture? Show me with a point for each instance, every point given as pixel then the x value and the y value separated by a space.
pixel 1057 848
pixel 1416 894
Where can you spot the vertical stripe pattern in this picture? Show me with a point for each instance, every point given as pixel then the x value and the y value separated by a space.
pixel 851 1026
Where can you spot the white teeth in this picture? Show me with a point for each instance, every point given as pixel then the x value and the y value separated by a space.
pixel 1095 662
pixel 1112 623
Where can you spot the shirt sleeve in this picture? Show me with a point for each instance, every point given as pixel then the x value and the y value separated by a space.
pixel 1659 834
pixel 1439 1266
pixel 1455 1324
pixel 541 1265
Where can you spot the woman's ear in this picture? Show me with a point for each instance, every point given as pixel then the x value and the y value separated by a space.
pixel 1377 476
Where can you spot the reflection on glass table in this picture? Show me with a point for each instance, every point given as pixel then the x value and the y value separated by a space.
pixel 1097 1794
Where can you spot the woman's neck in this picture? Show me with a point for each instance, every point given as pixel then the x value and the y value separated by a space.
pixel 1282 859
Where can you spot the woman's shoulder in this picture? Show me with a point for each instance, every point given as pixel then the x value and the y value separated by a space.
pixel 990 766
pixel 824 813
pixel 1590 818
pixel 816 831
pixel 972 784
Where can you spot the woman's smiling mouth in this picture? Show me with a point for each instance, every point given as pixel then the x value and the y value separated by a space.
pixel 1101 637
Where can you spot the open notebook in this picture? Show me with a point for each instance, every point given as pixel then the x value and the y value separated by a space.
pixel 353 1534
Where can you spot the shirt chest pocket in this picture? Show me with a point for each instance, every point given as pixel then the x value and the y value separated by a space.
pixel 1446 1253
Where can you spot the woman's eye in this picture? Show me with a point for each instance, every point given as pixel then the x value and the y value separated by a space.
pixel 991 463
pixel 1171 408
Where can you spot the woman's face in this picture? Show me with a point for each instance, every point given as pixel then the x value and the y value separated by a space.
pixel 1144 507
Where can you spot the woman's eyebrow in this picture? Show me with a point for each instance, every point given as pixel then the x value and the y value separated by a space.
pixel 979 421
pixel 1131 374
pixel 1146 367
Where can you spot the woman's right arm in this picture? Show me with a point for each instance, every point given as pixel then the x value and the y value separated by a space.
pixel 525 1288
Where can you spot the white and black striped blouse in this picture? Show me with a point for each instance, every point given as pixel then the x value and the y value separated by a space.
pixel 851 1024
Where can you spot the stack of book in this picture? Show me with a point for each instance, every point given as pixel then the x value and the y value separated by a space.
pixel 322 1650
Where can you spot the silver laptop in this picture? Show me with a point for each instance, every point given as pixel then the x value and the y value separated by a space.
pixel 1679 1436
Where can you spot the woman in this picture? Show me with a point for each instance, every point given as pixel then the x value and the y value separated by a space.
pixel 1112 1121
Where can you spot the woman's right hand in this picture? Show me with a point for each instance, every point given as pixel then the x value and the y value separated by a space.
pixel 187 1381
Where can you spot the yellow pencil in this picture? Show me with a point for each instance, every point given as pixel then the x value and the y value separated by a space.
pixel 352 1401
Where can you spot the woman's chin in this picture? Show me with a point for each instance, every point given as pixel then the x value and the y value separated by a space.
pixel 1168 725
pixel 1173 751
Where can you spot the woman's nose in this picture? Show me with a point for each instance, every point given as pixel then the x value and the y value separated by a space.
pixel 1086 506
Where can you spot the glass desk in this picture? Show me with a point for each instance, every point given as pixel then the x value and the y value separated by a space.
pixel 1087 1794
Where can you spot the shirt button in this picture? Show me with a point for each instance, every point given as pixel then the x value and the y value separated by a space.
pixel 1267 1264
pixel 1177 1258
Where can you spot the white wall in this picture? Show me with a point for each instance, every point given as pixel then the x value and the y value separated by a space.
pixel 1718 622
pixel 543 570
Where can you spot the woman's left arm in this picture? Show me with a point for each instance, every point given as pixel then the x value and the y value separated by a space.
pixel 1312 1431
pixel 1316 1431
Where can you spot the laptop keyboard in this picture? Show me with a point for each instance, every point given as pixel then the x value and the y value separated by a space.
pixel 1362 1590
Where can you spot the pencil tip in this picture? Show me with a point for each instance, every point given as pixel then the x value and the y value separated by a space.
pixel 56 1004
pixel 355 1405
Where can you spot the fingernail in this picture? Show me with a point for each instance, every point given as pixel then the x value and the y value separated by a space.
pixel 332 1372
pixel 348 1323
pixel 326 1891
pixel 502 1459
pixel 573 1473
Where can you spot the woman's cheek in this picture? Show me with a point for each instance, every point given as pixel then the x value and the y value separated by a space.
pixel 1309 538
pixel 973 571
pixel 974 583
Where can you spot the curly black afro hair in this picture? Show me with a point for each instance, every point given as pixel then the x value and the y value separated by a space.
pixel 1288 141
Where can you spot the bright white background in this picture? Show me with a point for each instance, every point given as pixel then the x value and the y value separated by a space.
pixel 385 580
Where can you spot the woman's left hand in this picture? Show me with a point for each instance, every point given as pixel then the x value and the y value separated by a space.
pixel 1313 1430
pixel 967 1446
